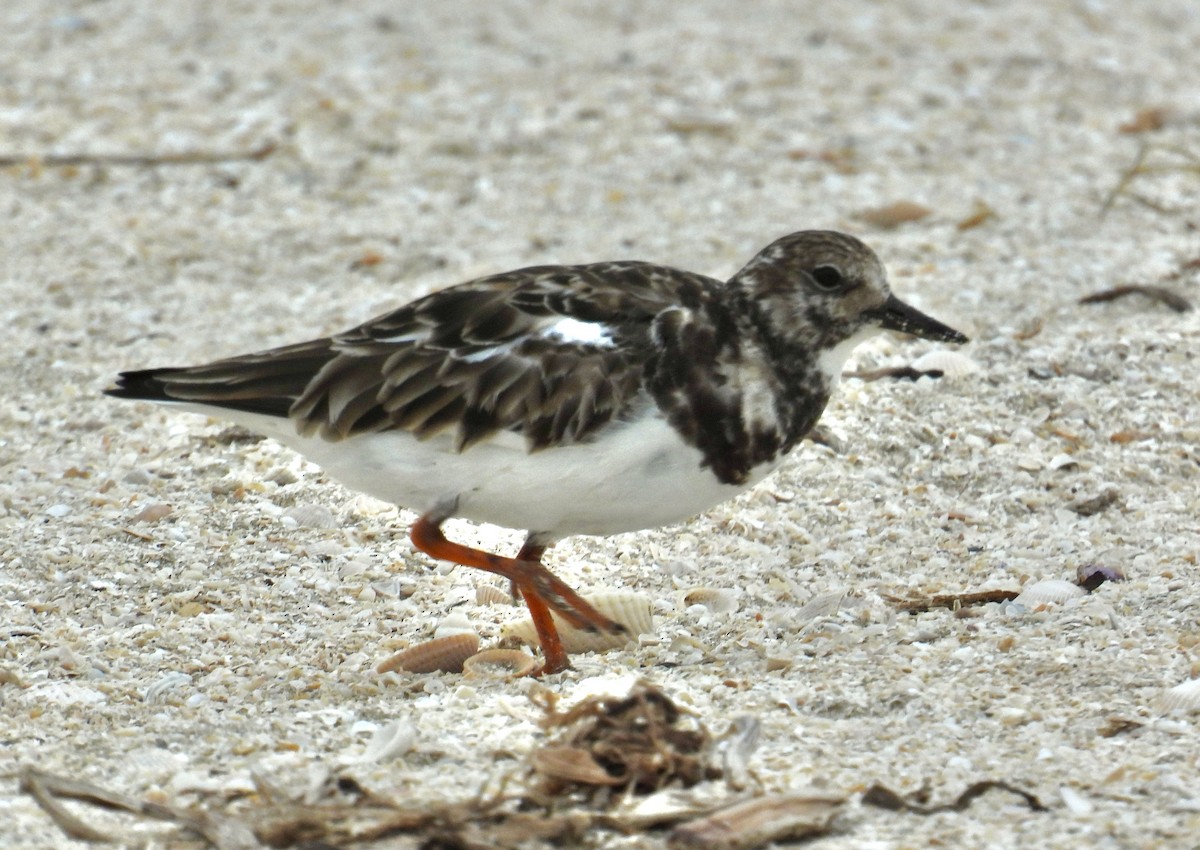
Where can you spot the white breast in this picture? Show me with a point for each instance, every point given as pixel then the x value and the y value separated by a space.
pixel 636 475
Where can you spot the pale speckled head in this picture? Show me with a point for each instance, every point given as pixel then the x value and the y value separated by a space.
pixel 824 292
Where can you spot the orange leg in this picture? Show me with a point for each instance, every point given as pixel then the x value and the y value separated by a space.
pixel 542 590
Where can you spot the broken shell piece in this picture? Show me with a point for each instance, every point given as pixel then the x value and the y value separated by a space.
pixel 394 739
pixel 454 624
pixel 951 364
pixel 1183 698
pixel 821 605
pixel 445 654
pixel 311 516
pixel 1054 591
pixel 632 610
pixel 489 594
pixel 756 822
pixel 1091 576
pixel 719 600
pixel 495 663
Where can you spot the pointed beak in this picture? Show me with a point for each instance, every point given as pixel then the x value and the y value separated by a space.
pixel 895 315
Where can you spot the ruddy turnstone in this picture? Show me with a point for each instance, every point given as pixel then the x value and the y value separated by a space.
pixel 560 400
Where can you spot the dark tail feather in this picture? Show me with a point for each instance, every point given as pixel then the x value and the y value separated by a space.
pixel 268 383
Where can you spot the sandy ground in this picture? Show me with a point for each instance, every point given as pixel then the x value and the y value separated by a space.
pixel 417 145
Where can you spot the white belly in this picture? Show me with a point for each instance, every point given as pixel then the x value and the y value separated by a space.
pixel 637 475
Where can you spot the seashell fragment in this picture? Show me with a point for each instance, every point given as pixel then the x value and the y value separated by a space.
pixel 445 654
pixel 759 821
pixel 952 364
pixel 1091 576
pixel 1183 698
pixel 311 516
pixel 489 594
pixel 394 739
pixel 821 605
pixel 1054 591
pixel 153 513
pixel 719 600
pixel 456 623
pixel 630 609
pixel 497 663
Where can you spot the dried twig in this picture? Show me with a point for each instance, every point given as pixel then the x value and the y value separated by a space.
pixel 1158 293
pixel 953 601
pixel 885 798
pixel 1140 167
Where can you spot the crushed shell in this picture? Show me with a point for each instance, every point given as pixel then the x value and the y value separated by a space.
pixel 444 654
pixel 495 663
pixel 951 364
pixel 311 516
pixel 1184 698
pixel 1054 591
pixel 719 600
pixel 632 610
pixel 821 605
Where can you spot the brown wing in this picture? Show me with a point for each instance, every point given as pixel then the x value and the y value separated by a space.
pixel 481 357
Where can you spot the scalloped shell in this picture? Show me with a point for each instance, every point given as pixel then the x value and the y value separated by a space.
pixel 1053 591
pixel 489 594
pixel 1184 697
pixel 630 609
pixel 444 654
pixel 500 663
pixel 952 364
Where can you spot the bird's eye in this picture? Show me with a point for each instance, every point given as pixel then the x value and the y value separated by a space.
pixel 827 277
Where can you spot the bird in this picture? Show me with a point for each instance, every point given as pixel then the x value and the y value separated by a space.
pixel 563 400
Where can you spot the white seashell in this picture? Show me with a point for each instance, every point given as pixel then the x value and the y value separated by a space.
pixel 445 654
pixel 156 691
pixel 489 594
pixel 630 609
pixel 500 663
pixel 1183 698
pixel 821 605
pixel 1054 591
pixel 1075 802
pixel 952 364
pixel 311 516
pixel 454 624
pixel 1062 461
pixel 719 600
pixel 394 739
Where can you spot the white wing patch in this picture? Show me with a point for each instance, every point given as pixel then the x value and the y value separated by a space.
pixel 573 330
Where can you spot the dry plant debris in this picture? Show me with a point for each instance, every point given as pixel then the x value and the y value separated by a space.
pixel 638 741
pixel 642 743
pixel 916 803
pixel 1183 161
pixel 1157 293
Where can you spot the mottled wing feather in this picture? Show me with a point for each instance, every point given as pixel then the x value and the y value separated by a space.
pixel 473 359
